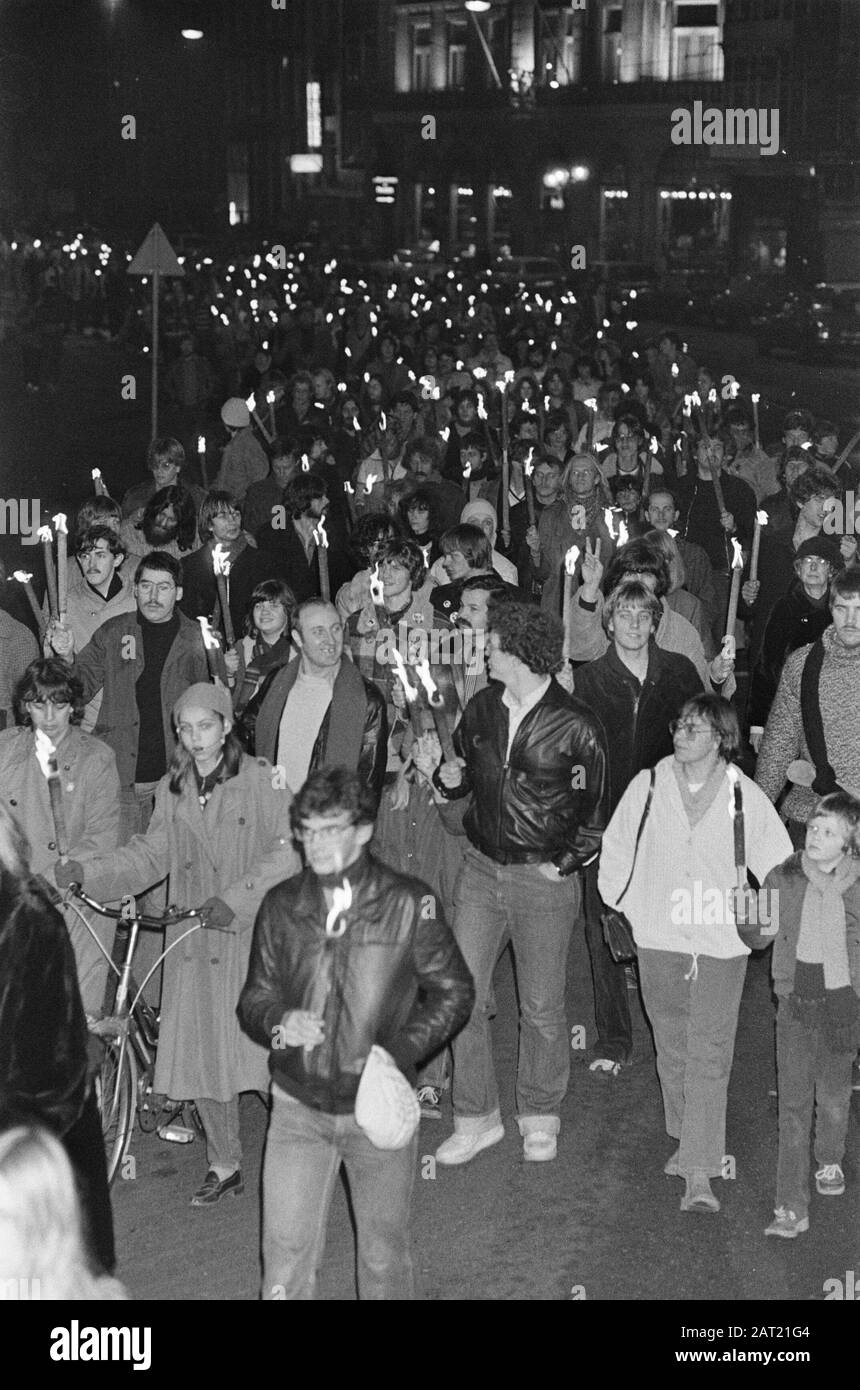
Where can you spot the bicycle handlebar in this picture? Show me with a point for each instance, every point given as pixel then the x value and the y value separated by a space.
pixel 168 918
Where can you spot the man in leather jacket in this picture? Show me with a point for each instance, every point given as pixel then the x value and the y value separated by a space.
pixel 324 987
pixel 319 711
pixel 533 759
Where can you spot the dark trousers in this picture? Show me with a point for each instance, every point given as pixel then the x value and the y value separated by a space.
pixel 611 1009
pixel 810 1075
pixel 84 1145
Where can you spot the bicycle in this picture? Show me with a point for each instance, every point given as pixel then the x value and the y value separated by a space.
pixel 129 1035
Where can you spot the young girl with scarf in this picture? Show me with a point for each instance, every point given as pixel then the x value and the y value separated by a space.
pixel 816 975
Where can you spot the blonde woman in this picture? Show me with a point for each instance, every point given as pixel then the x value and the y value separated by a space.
pixel 42 1251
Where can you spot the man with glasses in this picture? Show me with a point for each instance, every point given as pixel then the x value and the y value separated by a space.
pixel 800 616
pixel 141 662
pixel 635 689
pixel 165 460
pixel 324 989
pixel 220 524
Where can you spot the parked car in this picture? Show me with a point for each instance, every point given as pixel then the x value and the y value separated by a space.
pixel 734 307
pixel 820 322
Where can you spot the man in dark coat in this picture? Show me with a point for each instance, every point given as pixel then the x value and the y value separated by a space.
pixel 319 711
pixel 635 689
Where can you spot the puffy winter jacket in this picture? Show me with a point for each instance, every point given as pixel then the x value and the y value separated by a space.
pixel 396 977
pixel 544 801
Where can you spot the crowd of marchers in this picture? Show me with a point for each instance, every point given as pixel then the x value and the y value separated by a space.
pixel 261 702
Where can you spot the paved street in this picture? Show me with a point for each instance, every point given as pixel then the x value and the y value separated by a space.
pixel 601 1222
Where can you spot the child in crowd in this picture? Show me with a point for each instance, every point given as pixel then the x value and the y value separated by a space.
pixel 815 919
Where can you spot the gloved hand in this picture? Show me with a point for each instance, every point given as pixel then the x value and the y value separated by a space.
pixel 216 913
pixel 70 872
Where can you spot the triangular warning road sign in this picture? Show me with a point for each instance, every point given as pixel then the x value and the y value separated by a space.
pixel 155 254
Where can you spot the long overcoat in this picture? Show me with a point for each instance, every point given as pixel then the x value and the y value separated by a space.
pixel 237 848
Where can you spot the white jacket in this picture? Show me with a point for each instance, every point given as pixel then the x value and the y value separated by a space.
pixel 679 898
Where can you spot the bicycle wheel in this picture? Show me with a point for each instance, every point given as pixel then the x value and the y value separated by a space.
pixel 116 1094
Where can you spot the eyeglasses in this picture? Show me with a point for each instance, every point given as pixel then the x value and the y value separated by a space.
pixel 686 726
pixel 326 833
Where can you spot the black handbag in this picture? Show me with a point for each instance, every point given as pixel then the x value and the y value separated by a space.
pixel 617 931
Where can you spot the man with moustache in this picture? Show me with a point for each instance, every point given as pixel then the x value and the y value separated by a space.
pixel 141 662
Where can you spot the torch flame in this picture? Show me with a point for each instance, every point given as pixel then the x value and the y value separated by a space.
pixel 306 464
pixel 510 377
pixel 409 690
pixel 712 395
pixel 528 466
pixel 479 373
pixel 372 478
pixel 674 368
pixel 270 398
pixel 591 403
pixel 210 641
pixel 609 519
pixel 755 397
pixel 320 535
pixel 482 409
pixel 201 444
pixel 46 535
pixel 377 588
pixel 250 401
pixel 444 434
pixel 96 474
pixel 422 671
pixel 46 754
pixel 348 488
pixel 737 555
pixel 220 560
pixel 654 446
pixel 21 577
pixel 761 518
pixel 60 523
pixel 623 536
pixel 570 559
pixel 341 899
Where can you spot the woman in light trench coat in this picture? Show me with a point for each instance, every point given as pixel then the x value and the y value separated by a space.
pixel 49 699
pixel 221 829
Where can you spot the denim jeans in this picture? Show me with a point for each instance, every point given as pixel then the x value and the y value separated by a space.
pixel 220 1120
pixel 304 1151
pixel 491 903
pixel 694 1022
pixel 611 1008
pixel 809 1075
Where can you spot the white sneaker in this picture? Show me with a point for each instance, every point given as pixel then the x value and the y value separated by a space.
pixel 539 1146
pixel 460 1148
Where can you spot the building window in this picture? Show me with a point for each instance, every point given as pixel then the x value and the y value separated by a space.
pixel 421 57
pixel 313 107
pixel 612 44
pixel 697 54
pixel 561 46
pixel 456 54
